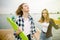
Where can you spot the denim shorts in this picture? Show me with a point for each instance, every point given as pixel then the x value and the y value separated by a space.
pixel 43 36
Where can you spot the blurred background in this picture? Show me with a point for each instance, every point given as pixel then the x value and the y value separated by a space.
pixel 8 8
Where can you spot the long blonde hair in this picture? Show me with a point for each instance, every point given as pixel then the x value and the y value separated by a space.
pixel 42 18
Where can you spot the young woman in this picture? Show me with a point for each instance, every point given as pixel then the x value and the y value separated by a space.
pixel 46 25
pixel 25 21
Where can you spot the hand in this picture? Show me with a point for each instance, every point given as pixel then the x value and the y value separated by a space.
pixel 37 34
pixel 59 26
pixel 19 30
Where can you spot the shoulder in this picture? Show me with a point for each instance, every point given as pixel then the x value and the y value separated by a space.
pixel 18 17
pixel 39 21
pixel 30 17
pixel 51 19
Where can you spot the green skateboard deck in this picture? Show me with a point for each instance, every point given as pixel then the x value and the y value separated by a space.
pixel 15 27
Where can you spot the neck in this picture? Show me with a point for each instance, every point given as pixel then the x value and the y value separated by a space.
pixel 45 19
pixel 25 14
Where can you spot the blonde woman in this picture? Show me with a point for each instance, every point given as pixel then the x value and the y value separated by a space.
pixel 46 25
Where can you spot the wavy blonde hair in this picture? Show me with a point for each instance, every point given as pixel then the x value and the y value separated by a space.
pixel 42 18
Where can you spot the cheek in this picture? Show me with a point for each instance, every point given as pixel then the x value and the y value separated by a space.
pixel 44 15
pixel 25 8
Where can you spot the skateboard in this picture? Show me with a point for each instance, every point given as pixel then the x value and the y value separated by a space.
pixel 15 27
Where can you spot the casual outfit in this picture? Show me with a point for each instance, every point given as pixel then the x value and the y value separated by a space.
pixel 27 26
pixel 46 30
pixel 44 26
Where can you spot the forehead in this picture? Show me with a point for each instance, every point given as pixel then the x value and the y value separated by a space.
pixel 44 10
pixel 25 4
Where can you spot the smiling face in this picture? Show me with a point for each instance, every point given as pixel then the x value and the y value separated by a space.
pixel 25 8
pixel 45 14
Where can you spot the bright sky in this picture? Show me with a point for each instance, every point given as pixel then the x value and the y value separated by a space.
pixel 36 6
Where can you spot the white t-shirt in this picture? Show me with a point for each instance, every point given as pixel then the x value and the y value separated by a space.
pixel 44 26
pixel 27 26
